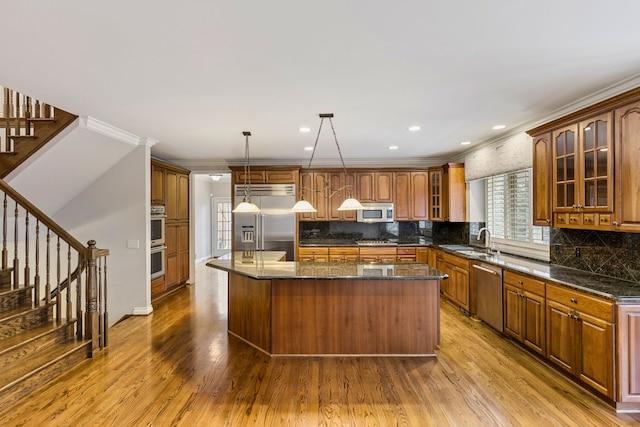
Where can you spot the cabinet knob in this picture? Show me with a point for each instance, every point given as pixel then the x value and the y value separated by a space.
pixel 573 300
pixel 616 223
pixel 520 282
pixel 548 221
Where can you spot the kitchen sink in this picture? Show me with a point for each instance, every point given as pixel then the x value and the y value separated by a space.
pixel 472 253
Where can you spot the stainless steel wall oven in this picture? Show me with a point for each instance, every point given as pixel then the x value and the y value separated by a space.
pixel 158 247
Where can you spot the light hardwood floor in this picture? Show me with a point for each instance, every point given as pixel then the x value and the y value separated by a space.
pixel 179 367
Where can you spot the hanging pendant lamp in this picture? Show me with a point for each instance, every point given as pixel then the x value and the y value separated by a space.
pixel 246 206
pixel 350 203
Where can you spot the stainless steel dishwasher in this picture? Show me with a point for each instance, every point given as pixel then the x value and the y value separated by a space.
pixel 488 280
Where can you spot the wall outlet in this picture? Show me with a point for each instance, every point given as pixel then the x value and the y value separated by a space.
pixel 133 244
pixel 558 249
pixel 578 252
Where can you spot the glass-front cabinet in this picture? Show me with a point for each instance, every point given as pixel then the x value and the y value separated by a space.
pixel 582 171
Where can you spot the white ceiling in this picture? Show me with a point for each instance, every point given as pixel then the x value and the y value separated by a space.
pixel 195 74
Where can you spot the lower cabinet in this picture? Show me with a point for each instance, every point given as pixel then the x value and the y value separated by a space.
pixel 628 355
pixel 456 287
pixel 343 254
pixel 581 337
pixel 313 254
pixel 177 254
pixel 378 254
pixel 524 310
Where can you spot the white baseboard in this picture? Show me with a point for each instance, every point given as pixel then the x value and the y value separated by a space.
pixel 142 311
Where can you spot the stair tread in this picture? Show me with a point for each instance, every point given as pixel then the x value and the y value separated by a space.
pixel 8 291
pixel 28 334
pixel 35 361
pixel 30 306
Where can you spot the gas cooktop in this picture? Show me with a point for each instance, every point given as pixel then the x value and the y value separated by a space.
pixel 376 243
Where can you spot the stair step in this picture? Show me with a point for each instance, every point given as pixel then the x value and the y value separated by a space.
pixel 32 360
pixel 70 356
pixel 28 335
pixel 22 136
pixel 13 298
pixel 14 321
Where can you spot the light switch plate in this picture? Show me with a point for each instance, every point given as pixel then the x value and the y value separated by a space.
pixel 133 244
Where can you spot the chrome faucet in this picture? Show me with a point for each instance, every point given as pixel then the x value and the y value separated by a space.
pixel 487 243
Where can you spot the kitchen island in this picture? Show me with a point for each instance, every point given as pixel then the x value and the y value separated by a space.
pixel 292 308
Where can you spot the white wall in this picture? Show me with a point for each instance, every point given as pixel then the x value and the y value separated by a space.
pixel 112 210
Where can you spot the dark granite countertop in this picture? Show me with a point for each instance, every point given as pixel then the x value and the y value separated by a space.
pixel 622 291
pixel 265 265
pixel 413 241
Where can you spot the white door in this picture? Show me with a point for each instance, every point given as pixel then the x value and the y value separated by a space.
pixel 221 225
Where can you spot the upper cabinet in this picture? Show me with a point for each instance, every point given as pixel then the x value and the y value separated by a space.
pixel 374 186
pixel 265 175
pixel 542 212
pixel 447 193
pixel 585 167
pixel 627 177
pixel 157 184
pixel 410 190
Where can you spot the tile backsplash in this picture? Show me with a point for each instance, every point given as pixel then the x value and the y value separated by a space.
pixel 610 253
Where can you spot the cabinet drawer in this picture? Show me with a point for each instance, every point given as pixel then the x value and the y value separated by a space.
pixel 314 251
pixel 378 251
pixel 575 219
pixel 527 283
pixel 561 219
pixel 337 250
pixel 279 177
pixel 597 307
pixel 459 262
pixel 406 251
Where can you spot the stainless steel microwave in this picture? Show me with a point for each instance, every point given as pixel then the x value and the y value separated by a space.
pixel 376 212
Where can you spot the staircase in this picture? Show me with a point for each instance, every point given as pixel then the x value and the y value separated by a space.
pixel 53 293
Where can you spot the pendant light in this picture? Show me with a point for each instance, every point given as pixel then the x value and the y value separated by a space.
pixel 246 206
pixel 350 203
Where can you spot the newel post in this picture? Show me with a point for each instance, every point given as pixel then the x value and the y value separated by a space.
pixel 91 318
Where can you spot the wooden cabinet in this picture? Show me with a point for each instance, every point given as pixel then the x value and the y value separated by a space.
pixel 343 185
pixel 378 254
pixel 406 254
pixel 313 254
pixel 157 184
pixel 265 175
pixel 542 170
pixel 173 183
pixel 374 186
pixel 524 310
pixel 580 337
pixel 447 193
pixel 410 189
pixel 583 173
pixel 456 287
pixel 343 254
pixel 313 187
pixel 627 180
pixel 422 254
pixel 628 322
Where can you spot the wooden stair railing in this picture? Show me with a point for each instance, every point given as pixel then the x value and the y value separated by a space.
pixel 28 125
pixel 59 260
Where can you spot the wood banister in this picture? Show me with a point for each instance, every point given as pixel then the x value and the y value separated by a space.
pixel 42 217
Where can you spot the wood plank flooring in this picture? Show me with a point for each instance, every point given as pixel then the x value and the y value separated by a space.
pixel 179 367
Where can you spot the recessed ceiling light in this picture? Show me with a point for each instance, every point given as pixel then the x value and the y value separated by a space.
pixel 304 129
pixel 308 148
pixel 498 127
pixel 393 147
pixel 414 128
pixel 466 143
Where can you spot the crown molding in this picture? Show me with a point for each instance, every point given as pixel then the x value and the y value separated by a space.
pixel 98 126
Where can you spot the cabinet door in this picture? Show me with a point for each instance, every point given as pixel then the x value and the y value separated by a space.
pixel 462 287
pixel 183 252
pixel 366 184
pixel 627 146
pixel 513 311
pixel 306 185
pixel 422 255
pixel 533 333
pixel 596 168
pixel 628 325
pixel 565 168
pixel 171 274
pixel 157 184
pixel 542 214
pixel 596 351
pixel 383 187
pixel 320 182
pixel 561 336
pixel 435 196
pixel 418 192
pixel 402 189
pixel 343 183
pixel 183 197
pixel 171 195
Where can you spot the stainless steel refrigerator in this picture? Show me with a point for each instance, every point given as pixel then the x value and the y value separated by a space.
pixel 274 228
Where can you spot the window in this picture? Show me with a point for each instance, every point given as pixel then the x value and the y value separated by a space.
pixel 509 214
